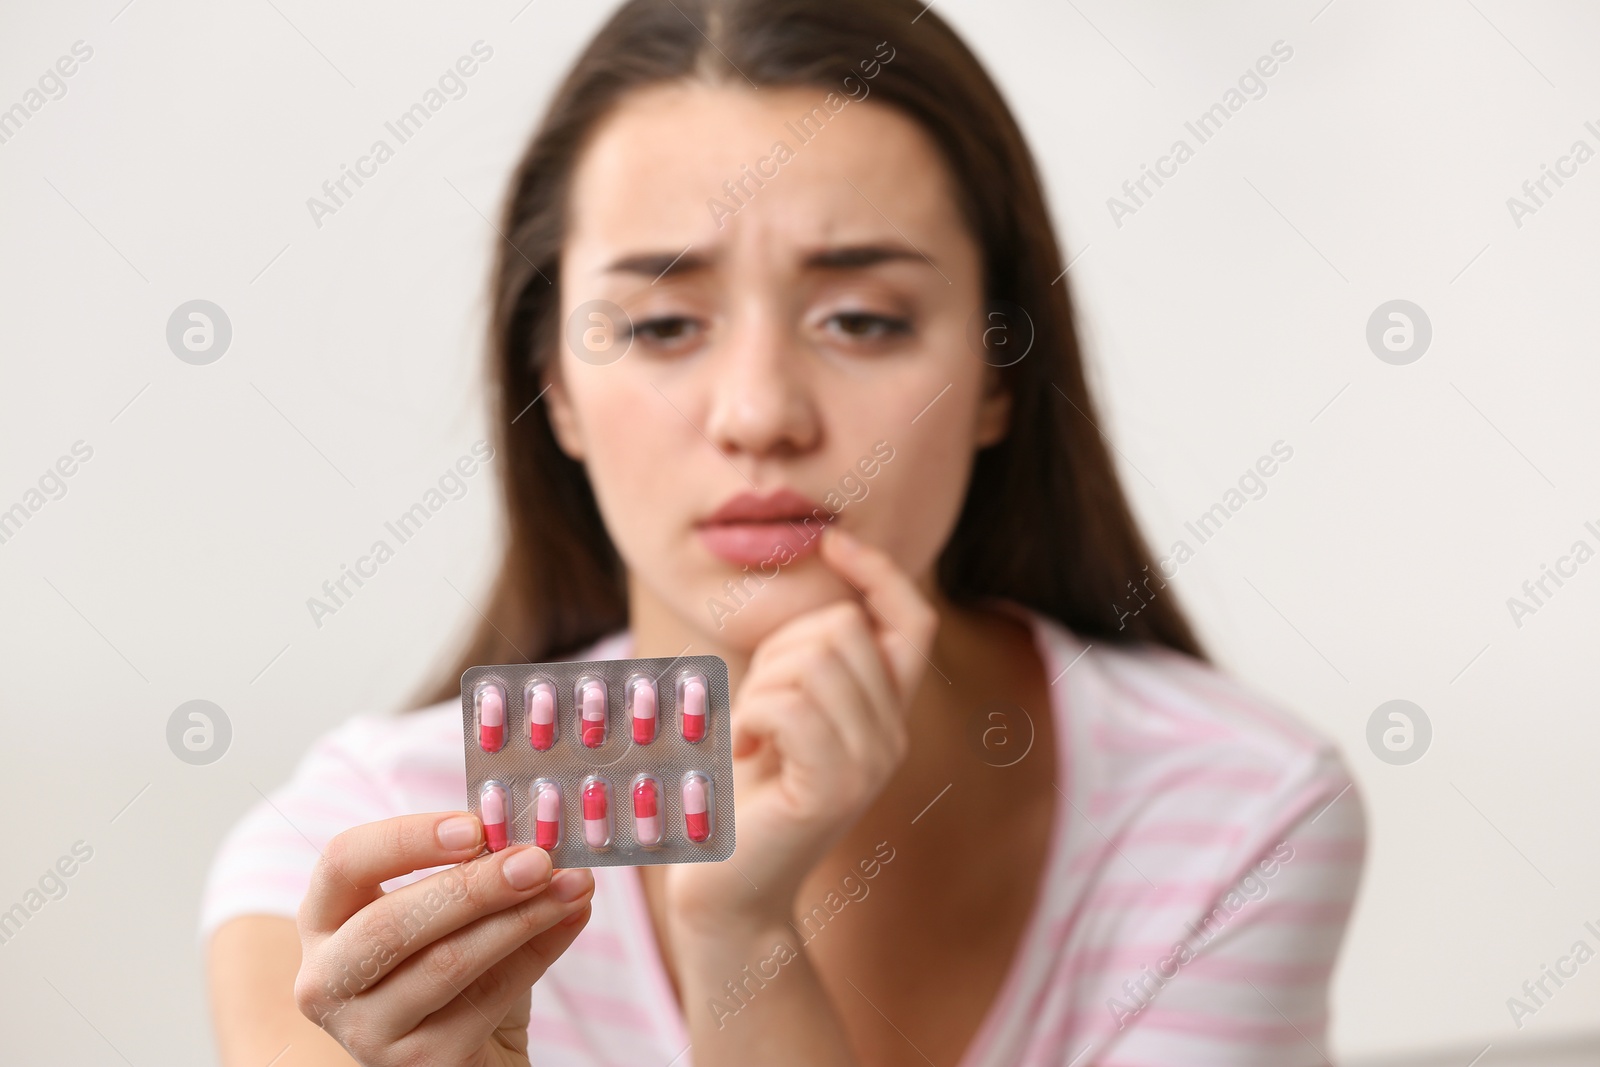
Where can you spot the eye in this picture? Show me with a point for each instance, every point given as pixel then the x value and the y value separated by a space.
pixel 667 332
pixel 868 326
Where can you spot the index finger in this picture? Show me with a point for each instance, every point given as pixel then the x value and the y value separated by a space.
pixel 903 621
pixel 355 863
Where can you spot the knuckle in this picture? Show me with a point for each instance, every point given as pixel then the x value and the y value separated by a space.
pixel 337 852
pixel 455 884
pixel 480 884
pixel 530 918
pixel 547 950
pixel 413 1050
pixel 849 614
pixel 825 621
pixel 390 927
pixel 818 658
pixel 761 662
pixel 448 963
pixel 321 1002
pixel 491 985
pixel 397 837
pixel 799 708
pixel 308 995
pixel 361 1039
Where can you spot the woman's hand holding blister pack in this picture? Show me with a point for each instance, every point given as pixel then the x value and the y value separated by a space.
pixel 438 971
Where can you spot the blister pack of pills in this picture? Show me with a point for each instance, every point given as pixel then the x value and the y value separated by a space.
pixel 602 763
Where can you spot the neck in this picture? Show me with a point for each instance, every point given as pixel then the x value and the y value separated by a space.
pixel 658 632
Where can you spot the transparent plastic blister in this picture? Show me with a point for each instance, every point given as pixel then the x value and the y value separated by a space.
pixel 539 704
pixel 604 763
pixel 489 700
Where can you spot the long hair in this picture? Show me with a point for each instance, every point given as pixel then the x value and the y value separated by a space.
pixel 1045 522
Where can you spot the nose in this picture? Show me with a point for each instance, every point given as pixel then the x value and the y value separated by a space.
pixel 761 396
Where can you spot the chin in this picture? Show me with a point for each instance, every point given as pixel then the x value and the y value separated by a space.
pixel 743 616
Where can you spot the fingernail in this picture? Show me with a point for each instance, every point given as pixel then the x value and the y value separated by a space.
pixel 575 918
pixel 458 833
pixel 527 868
pixel 569 885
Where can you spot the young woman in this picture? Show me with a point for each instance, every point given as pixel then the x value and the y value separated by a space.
pixel 986 815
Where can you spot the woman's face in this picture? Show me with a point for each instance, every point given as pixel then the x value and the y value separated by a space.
pixel 799 349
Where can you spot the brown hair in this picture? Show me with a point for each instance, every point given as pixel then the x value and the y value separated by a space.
pixel 1045 522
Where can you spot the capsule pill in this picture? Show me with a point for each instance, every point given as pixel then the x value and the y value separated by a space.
pixel 547 815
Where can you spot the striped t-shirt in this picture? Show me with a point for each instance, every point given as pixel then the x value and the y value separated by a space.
pixel 1206 852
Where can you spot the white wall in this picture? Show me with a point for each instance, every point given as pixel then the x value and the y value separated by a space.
pixel 1227 313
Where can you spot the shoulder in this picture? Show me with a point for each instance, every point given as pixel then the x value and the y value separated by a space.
pixel 1161 694
pixel 1200 825
pixel 1158 736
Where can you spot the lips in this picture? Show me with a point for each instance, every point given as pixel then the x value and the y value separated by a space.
pixel 751 529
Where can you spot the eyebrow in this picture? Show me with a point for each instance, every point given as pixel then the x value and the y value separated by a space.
pixel 656 265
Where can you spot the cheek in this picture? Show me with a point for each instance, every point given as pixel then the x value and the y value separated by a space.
pixel 632 439
pixel 917 496
pixel 914 500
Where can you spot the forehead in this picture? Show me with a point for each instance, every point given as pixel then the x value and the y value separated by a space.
pixel 785 167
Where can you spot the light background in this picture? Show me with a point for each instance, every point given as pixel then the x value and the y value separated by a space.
pixel 1227 314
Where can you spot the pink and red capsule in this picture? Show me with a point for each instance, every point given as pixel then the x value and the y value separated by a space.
pixel 596 813
pixel 590 698
pixel 540 699
pixel 692 707
pixel 546 815
pixel 647 822
pixel 494 807
pixel 491 706
pixel 696 806
pixel 642 709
